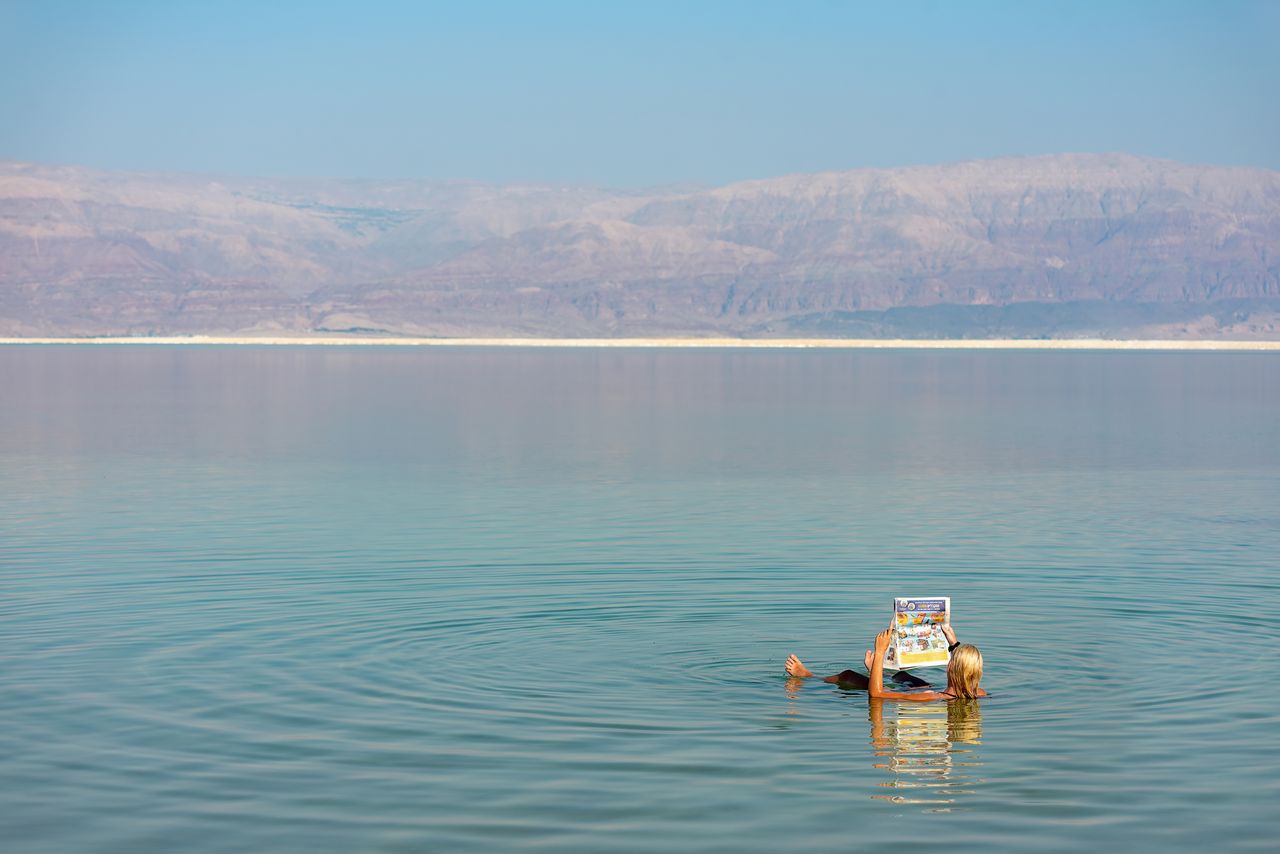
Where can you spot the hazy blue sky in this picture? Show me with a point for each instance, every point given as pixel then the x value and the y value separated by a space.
pixel 629 94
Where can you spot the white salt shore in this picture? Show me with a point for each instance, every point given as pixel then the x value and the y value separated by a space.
pixel 753 343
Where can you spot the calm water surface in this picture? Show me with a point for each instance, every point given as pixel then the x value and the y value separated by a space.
pixel 389 600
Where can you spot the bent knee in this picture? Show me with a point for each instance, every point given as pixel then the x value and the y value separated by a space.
pixel 852 678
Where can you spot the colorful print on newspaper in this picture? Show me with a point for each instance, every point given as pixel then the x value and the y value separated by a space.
pixel 918 640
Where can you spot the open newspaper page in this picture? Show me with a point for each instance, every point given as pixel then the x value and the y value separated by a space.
pixel 918 640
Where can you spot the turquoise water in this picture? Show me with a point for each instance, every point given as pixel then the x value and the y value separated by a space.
pixel 469 599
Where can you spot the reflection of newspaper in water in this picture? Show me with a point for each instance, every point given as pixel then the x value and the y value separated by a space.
pixel 918 640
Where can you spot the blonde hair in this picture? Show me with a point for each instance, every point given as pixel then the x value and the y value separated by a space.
pixel 965 671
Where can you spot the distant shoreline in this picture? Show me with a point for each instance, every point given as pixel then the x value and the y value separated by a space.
pixel 676 343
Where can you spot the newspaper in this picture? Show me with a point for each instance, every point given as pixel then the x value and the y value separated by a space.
pixel 918 640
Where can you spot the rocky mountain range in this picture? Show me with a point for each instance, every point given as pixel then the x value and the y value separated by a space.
pixel 1053 246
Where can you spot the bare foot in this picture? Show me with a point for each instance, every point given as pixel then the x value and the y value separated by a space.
pixel 866 660
pixel 795 668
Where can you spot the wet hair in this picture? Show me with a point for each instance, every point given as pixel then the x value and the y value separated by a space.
pixel 965 671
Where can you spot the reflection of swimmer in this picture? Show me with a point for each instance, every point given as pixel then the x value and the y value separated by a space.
pixel 964 671
pixel 927 749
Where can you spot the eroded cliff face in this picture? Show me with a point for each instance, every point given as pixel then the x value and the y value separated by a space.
pixel 1095 243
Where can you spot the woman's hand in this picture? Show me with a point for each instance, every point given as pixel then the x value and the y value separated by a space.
pixel 882 641
pixel 949 632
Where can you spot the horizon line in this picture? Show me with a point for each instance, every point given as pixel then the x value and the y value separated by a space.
pixel 675 342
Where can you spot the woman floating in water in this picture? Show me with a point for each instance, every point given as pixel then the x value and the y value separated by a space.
pixel 963 672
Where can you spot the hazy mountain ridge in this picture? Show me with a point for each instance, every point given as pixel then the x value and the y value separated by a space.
pixel 89 252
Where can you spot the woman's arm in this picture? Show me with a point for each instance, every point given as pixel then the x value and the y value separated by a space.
pixel 876 683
